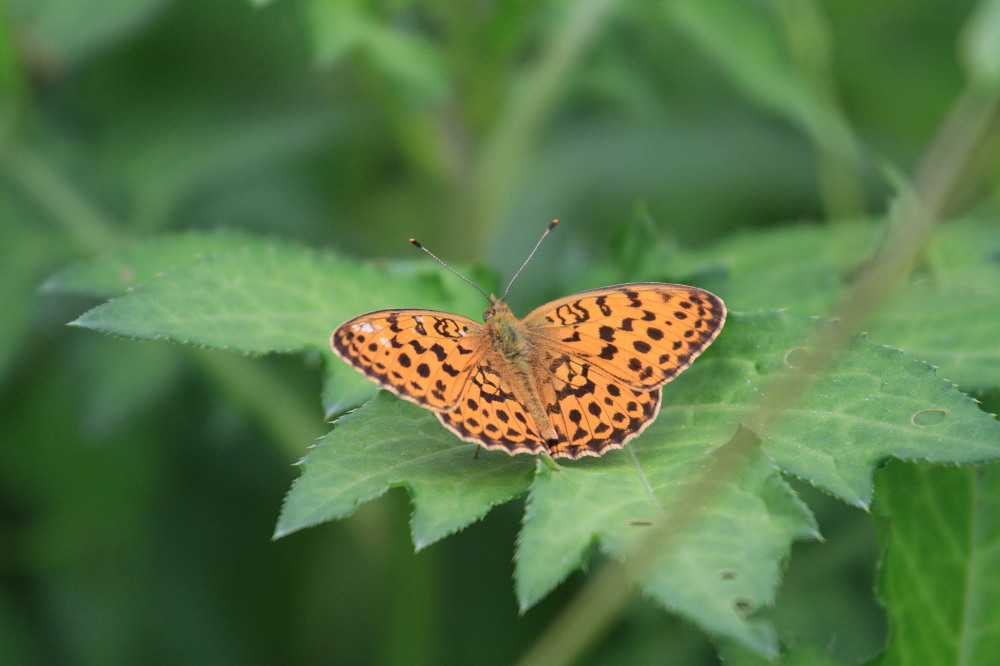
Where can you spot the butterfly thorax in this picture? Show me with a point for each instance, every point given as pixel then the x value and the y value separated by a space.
pixel 505 330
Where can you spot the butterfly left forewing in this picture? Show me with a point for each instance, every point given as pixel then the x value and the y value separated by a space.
pixel 423 356
pixel 642 334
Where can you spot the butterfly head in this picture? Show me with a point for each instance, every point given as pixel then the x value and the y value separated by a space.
pixel 497 307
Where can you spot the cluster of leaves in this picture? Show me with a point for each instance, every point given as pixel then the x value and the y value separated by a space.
pixel 257 296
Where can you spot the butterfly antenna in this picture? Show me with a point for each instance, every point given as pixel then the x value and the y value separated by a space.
pixel 552 225
pixel 438 259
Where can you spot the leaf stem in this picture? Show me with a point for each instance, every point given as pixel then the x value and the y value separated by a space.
pixel 90 228
pixel 505 150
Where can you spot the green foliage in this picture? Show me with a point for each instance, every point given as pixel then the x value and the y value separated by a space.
pixel 178 157
pixel 942 520
pixel 263 297
pixel 943 317
pixel 260 296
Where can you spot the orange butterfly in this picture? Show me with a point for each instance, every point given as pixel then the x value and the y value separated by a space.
pixel 576 377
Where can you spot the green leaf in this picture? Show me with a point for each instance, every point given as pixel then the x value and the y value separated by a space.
pixel 946 316
pixel 258 296
pixel 727 561
pixel 873 403
pixel 939 577
pixel 254 295
pixel 262 296
pixel 390 443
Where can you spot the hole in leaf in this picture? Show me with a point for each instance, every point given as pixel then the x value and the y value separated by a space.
pixel 928 417
pixel 640 523
pixel 797 357
pixel 729 574
pixel 743 606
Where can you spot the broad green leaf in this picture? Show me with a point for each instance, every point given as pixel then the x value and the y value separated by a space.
pixel 873 403
pixel 266 296
pixel 390 443
pixel 249 294
pixel 946 316
pixel 939 577
pixel 723 565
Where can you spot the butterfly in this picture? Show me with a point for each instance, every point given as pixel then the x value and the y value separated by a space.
pixel 575 377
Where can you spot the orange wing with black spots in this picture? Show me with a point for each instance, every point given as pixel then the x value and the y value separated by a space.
pixel 643 334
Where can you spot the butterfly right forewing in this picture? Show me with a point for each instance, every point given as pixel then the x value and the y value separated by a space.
pixel 643 334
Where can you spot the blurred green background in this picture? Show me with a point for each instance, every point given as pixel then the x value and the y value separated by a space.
pixel 140 482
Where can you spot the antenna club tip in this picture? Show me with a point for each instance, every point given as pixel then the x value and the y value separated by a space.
pixel 552 224
pixel 414 241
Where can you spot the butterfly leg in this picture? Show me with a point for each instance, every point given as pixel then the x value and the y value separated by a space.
pixel 549 462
